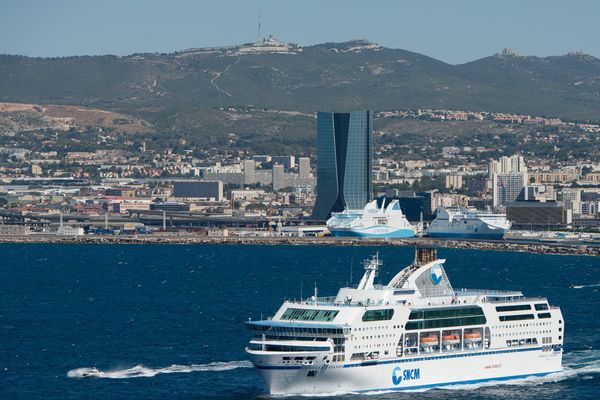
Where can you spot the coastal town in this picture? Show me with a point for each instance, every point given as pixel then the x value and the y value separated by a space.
pixel 54 188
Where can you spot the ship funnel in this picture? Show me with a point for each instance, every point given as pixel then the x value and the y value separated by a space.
pixel 425 255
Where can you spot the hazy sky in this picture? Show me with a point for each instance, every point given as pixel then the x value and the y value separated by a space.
pixel 451 30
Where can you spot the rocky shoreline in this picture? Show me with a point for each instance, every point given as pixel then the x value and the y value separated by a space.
pixel 532 247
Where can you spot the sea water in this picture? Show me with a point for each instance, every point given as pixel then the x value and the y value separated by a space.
pixel 167 321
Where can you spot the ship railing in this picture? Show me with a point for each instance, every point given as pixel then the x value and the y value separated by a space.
pixel 331 302
pixel 326 299
pixel 487 292
pixel 515 300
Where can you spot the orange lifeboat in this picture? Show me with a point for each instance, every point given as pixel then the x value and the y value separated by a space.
pixel 472 337
pixel 450 339
pixel 428 341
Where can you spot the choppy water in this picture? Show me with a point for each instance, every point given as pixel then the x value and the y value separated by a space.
pixel 166 321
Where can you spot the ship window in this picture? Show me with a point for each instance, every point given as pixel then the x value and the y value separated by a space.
pixel 276 347
pixel 378 315
pixel 444 323
pixel 516 317
pixel 445 317
pixel 307 314
pixel 541 307
pixel 544 315
pixel 445 312
pixel 517 307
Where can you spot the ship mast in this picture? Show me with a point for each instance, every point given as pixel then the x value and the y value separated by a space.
pixel 371 267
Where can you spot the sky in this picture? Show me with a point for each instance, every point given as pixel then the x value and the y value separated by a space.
pixel 449 30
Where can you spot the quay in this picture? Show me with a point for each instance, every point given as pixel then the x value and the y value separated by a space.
pixel 499 245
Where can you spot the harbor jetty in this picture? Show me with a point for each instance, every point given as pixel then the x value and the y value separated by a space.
pixel 498 245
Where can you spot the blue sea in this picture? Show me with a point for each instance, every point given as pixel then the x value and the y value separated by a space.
pixel 167 321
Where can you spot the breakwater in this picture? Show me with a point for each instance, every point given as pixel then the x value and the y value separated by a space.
pixel 501 245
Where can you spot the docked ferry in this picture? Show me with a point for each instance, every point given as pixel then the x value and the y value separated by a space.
pixel 385 221
pixel 415 332
pixel 460 222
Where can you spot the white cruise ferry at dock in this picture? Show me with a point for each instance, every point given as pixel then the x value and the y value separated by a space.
pixel 460 222
pixel 416 332
pixel 386 221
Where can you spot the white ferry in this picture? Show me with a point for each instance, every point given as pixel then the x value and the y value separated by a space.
pixel 461 222
pixel 372 221
pixel 416 332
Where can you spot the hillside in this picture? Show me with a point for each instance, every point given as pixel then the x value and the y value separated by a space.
pixel 189 92
pixel 18 117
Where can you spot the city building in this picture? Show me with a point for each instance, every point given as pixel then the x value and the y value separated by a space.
pixel 14 230
pixel 36 170
pixel 288 162
pixel 278 177
pixel 506 188
pixel 564 177
pixel 249 172
pixel 121 192
pixel 572 199
pixel 534 215
pixel 507 165
pixel 509 177
pixel 453 181
pixel 212 190
pixel 262 159
pixel 247 194
pixel 304 167
pixel 344 162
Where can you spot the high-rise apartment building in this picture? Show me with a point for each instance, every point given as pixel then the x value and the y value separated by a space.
pixel 249 172
pixel 507 188
pixel 509 177
pixel 278 177
pixel 344 162
pixel 304 167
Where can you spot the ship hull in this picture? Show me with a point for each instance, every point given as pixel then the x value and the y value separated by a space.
pixel 412 373
pixel 381 233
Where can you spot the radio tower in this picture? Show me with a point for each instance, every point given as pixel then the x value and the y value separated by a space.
pixel 258 37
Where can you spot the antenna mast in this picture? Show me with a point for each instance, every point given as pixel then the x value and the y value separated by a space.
pixel 259 28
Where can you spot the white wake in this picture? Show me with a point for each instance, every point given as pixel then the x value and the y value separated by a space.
pixel 585 286
pixel 140 371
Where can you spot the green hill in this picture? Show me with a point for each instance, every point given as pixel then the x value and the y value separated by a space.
pixel 184 92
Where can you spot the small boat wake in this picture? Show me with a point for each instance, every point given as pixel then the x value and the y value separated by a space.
pixel 584 286
pixel 140 371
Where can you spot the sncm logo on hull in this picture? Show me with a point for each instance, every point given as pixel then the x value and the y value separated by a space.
pixel 399 375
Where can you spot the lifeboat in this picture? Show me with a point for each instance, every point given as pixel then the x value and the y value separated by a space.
pixel 429 341
pixel 450 339
pixel 472 337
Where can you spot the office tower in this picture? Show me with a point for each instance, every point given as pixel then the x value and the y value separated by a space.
pixel 344 162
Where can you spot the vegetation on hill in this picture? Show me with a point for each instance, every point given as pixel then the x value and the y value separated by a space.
pixel 208 95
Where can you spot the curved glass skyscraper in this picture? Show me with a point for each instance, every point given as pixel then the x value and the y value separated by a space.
pixel 344 162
